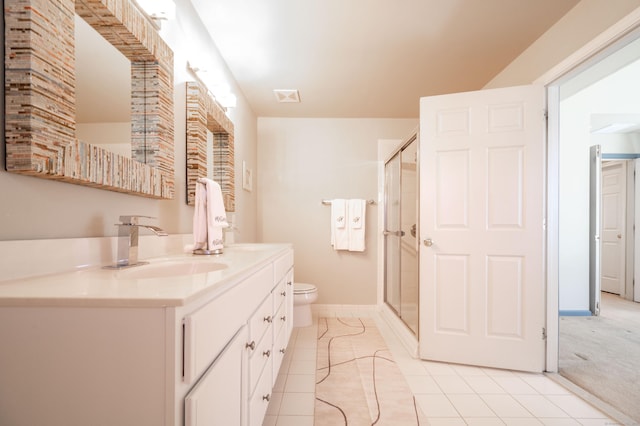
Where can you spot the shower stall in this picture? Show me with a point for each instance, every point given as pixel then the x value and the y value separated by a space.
pixel 401 233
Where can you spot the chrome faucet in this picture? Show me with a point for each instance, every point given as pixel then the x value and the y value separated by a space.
pixel 128 240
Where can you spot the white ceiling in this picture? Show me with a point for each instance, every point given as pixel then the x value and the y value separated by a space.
pixel 369 58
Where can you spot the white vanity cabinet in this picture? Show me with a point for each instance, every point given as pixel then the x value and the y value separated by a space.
pixel 211 360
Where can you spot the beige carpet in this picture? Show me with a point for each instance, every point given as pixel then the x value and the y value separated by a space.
pixel 357 381
pixel 602 354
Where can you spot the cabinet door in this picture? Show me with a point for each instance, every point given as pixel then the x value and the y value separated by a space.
pixel 219 396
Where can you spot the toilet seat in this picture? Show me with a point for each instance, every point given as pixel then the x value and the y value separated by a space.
pixel 303 288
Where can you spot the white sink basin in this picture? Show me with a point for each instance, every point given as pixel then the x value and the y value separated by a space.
pixel 171 268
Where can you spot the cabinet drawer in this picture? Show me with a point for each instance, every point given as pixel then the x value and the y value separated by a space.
pixel 260 357
pixel 282 264
pixel 279 349
pixel 280 293
pixel 289 302
pixel 259 401
pixel 261 320
pixel 280 319
pixel 209 329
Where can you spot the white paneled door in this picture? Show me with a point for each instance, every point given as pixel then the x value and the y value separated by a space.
pixel 482 288
pixel 614 206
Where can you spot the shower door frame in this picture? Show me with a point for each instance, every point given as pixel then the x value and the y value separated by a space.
pixel 413 138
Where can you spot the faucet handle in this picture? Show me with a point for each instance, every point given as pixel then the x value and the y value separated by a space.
pixel 132 219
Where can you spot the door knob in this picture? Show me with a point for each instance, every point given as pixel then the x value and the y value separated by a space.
pixel 619 236
pixel 428 242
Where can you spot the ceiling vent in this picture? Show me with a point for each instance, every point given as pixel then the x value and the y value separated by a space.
pixel 287 95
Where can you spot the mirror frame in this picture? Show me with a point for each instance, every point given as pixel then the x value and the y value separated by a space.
pixel 40 112
pixel 204 113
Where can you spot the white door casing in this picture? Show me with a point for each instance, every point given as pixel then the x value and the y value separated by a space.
pixel 613 229
pixel 636 251
pixel 595 215
pixel 482 289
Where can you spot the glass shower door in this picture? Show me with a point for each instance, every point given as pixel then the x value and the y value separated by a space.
pixel 409 240
pixel 391 233
pixel 400 232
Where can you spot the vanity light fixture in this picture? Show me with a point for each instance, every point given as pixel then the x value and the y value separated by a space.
pixel 196 67
pixel 158 9
pixel 214 83
pixel 287 95
pixel 227 100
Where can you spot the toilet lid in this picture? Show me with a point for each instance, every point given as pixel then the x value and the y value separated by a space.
pixel 299 288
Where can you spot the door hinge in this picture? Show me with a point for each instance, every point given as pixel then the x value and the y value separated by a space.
pixel 544 333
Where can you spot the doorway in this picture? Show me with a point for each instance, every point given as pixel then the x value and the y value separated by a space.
pixel 400 234
pixel 597 105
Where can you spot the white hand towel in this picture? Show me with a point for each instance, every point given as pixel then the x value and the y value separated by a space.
pixel 339 229
pixel 339 213
pixel 357 209
pixel 209 217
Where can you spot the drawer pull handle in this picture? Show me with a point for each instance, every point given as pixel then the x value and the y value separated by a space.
pixel 284 293
pixel 282 350
pixel 266 353
pixel 268 319
pixel 266 397
pixel 251 345
pixel 283 318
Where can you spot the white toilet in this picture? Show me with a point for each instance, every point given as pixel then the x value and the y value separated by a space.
pixel 303 296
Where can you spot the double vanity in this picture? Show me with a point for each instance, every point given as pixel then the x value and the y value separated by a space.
pixel 183 340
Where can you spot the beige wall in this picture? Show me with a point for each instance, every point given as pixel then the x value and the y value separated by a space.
pixel 302 161
pixel 579 26
pixel 33 208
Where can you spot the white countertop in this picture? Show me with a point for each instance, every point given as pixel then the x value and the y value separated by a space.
pixel 97 287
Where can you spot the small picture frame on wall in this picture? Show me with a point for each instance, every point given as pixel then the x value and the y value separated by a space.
pixel 247 177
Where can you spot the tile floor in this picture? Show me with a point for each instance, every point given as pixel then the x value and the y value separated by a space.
pixel 447 394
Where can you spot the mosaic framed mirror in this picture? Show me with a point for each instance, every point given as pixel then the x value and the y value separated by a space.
pixel 40 97
pixel 210 144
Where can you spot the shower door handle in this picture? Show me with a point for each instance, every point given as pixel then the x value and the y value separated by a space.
pixel 396 233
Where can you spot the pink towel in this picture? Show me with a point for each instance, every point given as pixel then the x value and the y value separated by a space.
pixel 209 217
